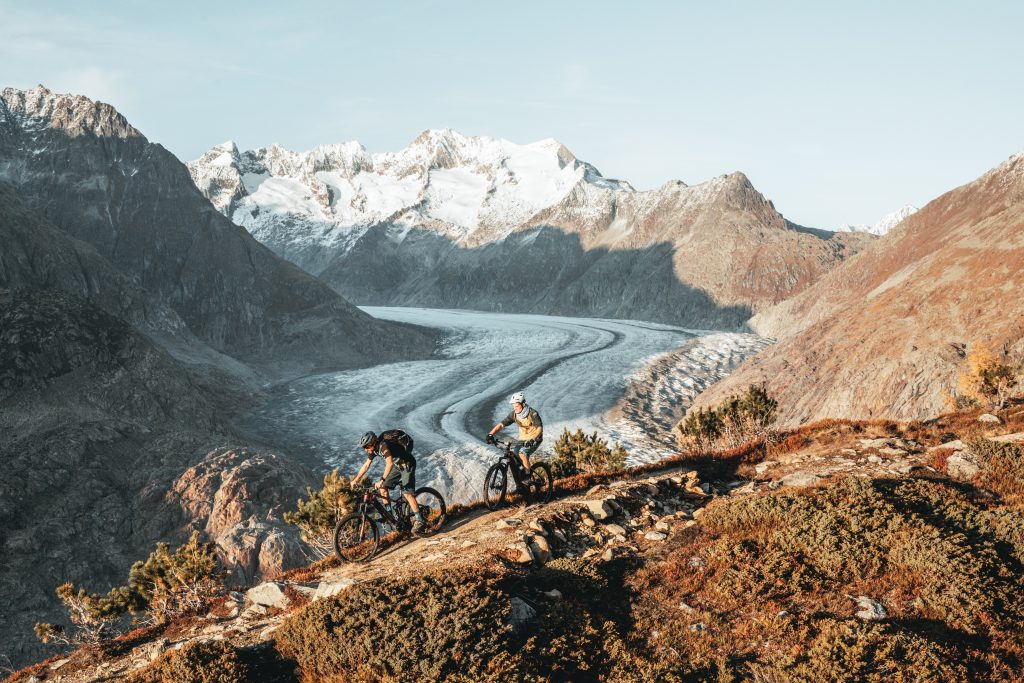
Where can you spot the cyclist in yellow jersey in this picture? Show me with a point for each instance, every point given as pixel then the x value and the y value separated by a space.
pixel 531 429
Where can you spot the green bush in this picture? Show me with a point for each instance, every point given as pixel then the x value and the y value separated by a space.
pixel 318 513
pixel 736 420
pixel 163 586
pixel 198 662
pixel 578 452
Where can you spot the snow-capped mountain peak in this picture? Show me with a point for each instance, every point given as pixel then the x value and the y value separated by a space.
pixel 454 182
pixel 884 224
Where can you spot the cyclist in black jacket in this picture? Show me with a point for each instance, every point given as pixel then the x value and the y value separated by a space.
pixel 399 469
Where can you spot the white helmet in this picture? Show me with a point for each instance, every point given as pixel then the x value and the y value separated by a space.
pixel 517 398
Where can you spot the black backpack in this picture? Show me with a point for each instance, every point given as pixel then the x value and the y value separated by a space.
pixel 402 440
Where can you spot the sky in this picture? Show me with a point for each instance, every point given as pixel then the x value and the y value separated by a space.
pixel 837 112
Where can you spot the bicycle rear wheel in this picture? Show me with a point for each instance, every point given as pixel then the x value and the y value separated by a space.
pixel 543 484
pixel 495 486
pixel 433 509
pixel 355 538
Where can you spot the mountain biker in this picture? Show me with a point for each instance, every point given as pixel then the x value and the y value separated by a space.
pixel 531 429
pixel 399 468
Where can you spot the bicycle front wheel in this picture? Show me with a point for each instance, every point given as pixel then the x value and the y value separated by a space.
pixel 543 485
pixel 433 509
pixel 355 538
pixel 495 486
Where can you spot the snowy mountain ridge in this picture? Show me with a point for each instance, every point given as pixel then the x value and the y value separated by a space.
pixel 451 182
pixel 884 224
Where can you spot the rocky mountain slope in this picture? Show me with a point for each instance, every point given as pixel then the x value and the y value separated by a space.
pixel 475 222
pixel 87 171
pixel 885 223
pixel 135 324
pixel 885 334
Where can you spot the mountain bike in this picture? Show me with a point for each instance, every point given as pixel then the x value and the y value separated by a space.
pixel 358 533
pixel 535 488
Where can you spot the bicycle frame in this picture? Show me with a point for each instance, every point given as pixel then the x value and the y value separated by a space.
pixel 510 458
pixel 372 500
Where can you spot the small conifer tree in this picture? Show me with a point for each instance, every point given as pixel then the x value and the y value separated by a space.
pixel 318 513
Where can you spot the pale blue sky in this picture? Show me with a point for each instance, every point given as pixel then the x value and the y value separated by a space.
pixel 838 112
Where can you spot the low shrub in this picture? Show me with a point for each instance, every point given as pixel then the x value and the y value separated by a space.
pixel 198 662
pixel 764 590
pixel 1002 468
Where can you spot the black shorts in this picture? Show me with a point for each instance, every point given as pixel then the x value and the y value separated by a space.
pixel 404 475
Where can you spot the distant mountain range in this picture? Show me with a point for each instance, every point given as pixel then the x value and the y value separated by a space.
pixel 885 223
pixel 478 222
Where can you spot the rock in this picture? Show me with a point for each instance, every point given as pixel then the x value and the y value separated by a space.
pixel 749 487
pixel 874 459
pixel 327 589
pixel 268 594
pixel 58 664
pixel 615 529
pixel 696 562
pixel 589 522
pixel 875 443
pixel 539 527
pixel 554 594
pixel 686 608
pixel 662 526
pixel 956 445
pixel 683 514
pixel 801 479
pixel 698 512
pixel 1016 437
pixel 655 536
pixel 783 613
pixel 522 553
pixel 698 627
pixel 849 451
pixel 689 523
pixel 869 610
pixel 467 544
pixel 764 466
pixel 508 523
pixel 521 615
pixel 255 612
pixel 989 418
pixel 907 467
pixel 596 489
pixel 558 534
pixel 608 555
pixel 892 452
pixel 433 557
pixel 705 487
pixel 540 549
pixel 599 509
pixel 962 465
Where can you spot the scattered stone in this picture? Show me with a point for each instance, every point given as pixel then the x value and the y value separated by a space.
pixel 962 465
pixel 875 443
pixel 615 529
pixel 558 534
pixel 599 509
pixel 849 451
pixel 698 512
pixel 662 526
pixel 433 557
pixel 763 467
pixel 683 514
pixel 698 627
pixel 467 544
pixel 554 594
pixel 696 562
pixel 989 418
pixel 589 522
pixel 783 613
pixel 58 664
pixel 596 489
pixel 1016 437
pixel 686 608
pixel 874 459
pixel 540 549
pixel 689 523
pixel 521 552
pixel 508 523
pixel 655 536
pixel 254 612
pixel 892 452
pixel 539 527
pixel 749 487
pixel 907 467
pixel 521 615
pixel 869 610
pixel 608 555
pixel 268 594
pixel 801 479
pixel 328 589
pixel 956 445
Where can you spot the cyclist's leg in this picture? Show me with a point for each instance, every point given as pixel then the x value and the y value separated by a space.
pixel 389 483
pixel 408 484
pixel 526 449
